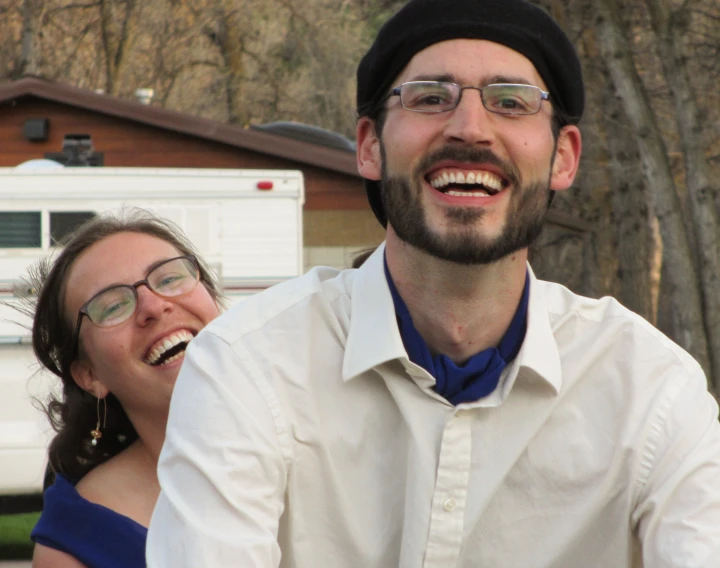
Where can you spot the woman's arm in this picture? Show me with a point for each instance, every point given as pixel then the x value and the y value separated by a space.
pixel 46 557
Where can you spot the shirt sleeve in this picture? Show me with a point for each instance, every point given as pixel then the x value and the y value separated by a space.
pixel 678 510
pixel 221 469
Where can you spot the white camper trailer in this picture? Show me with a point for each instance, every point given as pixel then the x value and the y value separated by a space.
pixel 247 224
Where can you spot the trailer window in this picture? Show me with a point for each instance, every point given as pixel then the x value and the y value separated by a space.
pixel 20 229
pixel 62 223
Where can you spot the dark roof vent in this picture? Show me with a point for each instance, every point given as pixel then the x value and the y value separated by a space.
pixel 36 129
pixel 307 133
pixel 77 151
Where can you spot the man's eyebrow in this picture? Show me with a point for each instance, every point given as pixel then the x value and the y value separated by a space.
pixel 493 79
pixel 509 79
pixel 445 77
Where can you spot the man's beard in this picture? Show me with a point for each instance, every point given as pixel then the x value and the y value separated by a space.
pixel 464 242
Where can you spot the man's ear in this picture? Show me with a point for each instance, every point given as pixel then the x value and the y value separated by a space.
pixel 369 160
pixel 85 378
pixel 567 158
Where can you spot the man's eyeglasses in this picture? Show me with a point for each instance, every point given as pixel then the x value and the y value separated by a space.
pixel 114 305
pixel 442 96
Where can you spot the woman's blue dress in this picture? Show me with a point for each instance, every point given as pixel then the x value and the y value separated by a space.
pixel 95 535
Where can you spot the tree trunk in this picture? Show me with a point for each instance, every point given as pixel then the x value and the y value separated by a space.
pixel 116 36
pixel 28 56
pixel 230 41
pixel 683 286
pixel 630 211
pixel 669 29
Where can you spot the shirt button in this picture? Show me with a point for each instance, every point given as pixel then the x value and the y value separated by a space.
pixel 449 504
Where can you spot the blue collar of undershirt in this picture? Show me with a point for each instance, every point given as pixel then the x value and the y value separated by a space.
pixel 480 374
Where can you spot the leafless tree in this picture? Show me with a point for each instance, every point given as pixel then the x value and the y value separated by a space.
pixel 651 158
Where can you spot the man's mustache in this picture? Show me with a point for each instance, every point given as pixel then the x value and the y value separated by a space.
pixel 470 155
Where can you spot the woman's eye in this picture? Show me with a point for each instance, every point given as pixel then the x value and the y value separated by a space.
pixel 112 309
pixel 169 280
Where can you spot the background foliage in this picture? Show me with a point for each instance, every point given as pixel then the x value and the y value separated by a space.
pixel 649 180
pixel 15 543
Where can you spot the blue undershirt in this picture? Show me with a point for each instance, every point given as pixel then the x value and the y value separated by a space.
pixel 480 374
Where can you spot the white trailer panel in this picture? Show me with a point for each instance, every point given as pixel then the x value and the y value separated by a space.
pixel 247 224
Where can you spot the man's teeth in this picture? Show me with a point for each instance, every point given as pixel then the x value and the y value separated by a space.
pixel 486 179
pixel 478 193
pixel 166 344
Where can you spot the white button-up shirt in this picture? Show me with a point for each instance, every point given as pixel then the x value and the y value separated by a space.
pixel 300 435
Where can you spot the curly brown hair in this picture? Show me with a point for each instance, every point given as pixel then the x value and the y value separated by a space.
pixel 74 414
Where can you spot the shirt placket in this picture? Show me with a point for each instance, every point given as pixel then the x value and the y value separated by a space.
pixel 449 498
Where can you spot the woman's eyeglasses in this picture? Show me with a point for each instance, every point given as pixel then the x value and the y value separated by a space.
pixel 114 305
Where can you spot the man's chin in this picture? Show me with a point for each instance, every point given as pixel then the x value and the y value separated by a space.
pixel 465 249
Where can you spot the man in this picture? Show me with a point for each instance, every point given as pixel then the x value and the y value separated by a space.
pixel 440 406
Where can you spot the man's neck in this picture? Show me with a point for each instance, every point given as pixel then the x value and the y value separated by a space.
pixel 459 310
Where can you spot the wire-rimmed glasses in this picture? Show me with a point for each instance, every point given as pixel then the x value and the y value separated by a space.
pixel 443 96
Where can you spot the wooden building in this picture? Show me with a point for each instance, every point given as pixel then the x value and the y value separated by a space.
pixel 36 116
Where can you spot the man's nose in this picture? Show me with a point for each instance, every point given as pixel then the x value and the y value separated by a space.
pixel 470 122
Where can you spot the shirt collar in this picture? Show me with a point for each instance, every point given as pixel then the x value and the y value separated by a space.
pixel 480 374
pixel 539 357
pixel 374 338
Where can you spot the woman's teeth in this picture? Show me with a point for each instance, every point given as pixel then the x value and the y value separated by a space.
pixel 179 338
pixel 173 358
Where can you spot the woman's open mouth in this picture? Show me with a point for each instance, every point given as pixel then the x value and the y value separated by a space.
pixel 169 348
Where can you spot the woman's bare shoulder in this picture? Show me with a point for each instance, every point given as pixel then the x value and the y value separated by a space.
pixel 99 484
pixel 124 484
pixel 46 557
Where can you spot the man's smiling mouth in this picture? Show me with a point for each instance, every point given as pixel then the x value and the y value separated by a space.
pixel 467 183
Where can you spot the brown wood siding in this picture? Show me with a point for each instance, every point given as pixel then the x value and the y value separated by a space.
pixel 348 228
pixel 130 134
pixel 126 143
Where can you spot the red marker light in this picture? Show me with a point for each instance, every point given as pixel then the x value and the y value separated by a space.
pixel 265 185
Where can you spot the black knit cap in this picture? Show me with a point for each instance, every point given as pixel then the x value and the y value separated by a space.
pixel 517 24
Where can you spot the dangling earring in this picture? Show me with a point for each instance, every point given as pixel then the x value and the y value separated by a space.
pixel 97 434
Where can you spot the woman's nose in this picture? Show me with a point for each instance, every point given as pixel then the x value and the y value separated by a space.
pixel 150 304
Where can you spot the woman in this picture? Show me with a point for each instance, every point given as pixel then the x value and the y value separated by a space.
pixel 114 314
